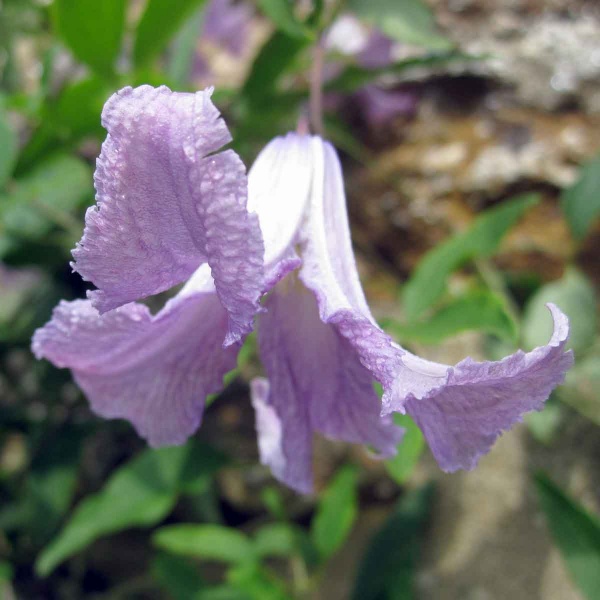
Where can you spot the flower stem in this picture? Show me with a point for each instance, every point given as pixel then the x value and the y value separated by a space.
pixel 495 282
pixel 316 89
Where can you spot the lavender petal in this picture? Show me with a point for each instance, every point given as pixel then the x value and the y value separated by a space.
pixel 164 207
pixel 315 384
pixel 154 371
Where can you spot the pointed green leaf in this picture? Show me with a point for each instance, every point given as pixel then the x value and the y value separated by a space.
pixel 482 239
pixel 401 466
pixel 67 119
pixel 256 583
pixel 45 198
pixel 273 60
pixel 182 581
pixel 581 201
pixel 387 568
pixel 177 576
pixel 274 503
pixel 576 533
pixel 184 49
pixel 6 571
pixel 8 148
pixel 209 542
pixel 140 493
pixel 409 21
pixel 160 21
pixel 354 76
pixel 93 30
pixel 480 310
pixel 281 12
pixel 278 539
pixel 336 512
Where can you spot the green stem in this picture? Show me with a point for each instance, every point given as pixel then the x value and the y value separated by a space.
pixel 494 280
pixel 316 89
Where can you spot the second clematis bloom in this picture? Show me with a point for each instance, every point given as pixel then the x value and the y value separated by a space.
pixel 321 348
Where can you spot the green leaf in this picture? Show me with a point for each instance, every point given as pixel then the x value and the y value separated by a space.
pixel 179 578
pixel 581 201
pixel 221 592
pixel 481 310
pixel 247 353
pixel 576 533
pixel 582 382
pixel 46 197
pixel 93 30
pixel 8 148
pixel 281 12
pixel 78 108
pixel 184 49
pixel 544 424
pixel 6 571
pixel 336 512
pixel 354 77
pixel 274 59
pixel 386 570
pixel 66 120
pixel 276 539
pixel 274 503
pixel 209 542
pixel 409 21
pixel 160 21
pixel 141 493
pixel 27 297
pixel 52 492
pixel 52 479
pixel 576 297
pixel 482 239
pixel 410 449
pixel 257 583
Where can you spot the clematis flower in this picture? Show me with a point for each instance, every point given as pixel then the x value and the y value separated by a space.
pixel 371 49
pixel 226 26
pixel 322 348
pixel 320 345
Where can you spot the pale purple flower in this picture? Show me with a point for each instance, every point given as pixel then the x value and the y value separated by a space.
pixel 225 25
pixel 349 36
pixel 371 49
pixel 157 222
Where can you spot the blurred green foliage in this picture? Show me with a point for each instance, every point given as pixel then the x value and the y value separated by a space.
pixel 54 507
pixel 408 21
pixel 387 567
pixel 480 241
pixel 141 493
pixel 576 532
pixel 85 36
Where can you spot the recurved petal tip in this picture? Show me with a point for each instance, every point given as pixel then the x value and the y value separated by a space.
pixel 462 416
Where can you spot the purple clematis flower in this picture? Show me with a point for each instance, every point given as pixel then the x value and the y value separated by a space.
pixel 225 25
pixel 166 212
pixel 371 49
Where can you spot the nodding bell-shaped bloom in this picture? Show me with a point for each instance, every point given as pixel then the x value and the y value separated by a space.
pixel 158 222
